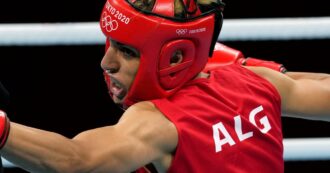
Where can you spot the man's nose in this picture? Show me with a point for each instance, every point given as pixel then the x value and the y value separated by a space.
pixel 109 62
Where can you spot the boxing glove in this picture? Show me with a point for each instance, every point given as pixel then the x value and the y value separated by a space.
pixel 4 128
pixel 224 55
pixel 263 63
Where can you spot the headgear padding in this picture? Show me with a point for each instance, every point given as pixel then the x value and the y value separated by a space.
pixel 157 35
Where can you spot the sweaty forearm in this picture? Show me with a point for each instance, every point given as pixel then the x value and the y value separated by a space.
pixel 40 151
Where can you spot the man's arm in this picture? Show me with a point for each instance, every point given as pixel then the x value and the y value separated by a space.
pixel 304 95
pixel 309 75
pixel 143 135
pixel 316 89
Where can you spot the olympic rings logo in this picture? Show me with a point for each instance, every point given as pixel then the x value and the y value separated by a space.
pixel 108 23
pixel 181 31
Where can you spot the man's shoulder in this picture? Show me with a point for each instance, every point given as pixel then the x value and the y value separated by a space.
pixel 144 111
pixel 144 107
pixel 147 122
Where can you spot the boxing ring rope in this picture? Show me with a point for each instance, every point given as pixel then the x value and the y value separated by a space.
pixel 89 33
pixel 85 33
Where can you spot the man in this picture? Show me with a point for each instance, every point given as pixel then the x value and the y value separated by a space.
pixel 177 117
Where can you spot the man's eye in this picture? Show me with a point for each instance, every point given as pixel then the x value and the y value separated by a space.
pixel 128 52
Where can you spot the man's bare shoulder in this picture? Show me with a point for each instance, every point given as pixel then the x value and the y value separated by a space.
pixel 145 121
pixel 143 110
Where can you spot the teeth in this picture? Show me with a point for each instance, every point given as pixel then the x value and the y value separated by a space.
pixel 116 85
pixel 117 90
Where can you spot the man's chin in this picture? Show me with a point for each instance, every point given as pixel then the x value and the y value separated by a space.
pixel 117 100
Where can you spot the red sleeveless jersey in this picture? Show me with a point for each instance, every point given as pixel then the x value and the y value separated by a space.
pixel 228 123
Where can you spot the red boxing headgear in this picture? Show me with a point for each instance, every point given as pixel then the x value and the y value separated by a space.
pixel 157 34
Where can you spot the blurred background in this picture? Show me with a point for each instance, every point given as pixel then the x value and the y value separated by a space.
pixel 61 88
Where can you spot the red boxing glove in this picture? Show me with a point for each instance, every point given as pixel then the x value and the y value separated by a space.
pixel 4 128
pixel 263 63
pixel 223 55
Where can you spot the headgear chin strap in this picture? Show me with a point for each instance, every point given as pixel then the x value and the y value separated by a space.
pixel 157 34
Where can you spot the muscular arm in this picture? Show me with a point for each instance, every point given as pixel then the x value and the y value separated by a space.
pixel 323 77
pixel 143 135
pixel 304 95
pixel 314 89
pixel 40 151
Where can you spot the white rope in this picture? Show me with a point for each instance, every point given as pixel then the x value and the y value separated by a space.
pixel 305 149
pixel 7 164
pixel 296 149
pixel 51 34
pixel 276 29
pixel 233 30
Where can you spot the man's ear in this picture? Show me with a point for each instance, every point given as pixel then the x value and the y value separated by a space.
pixel 176 58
